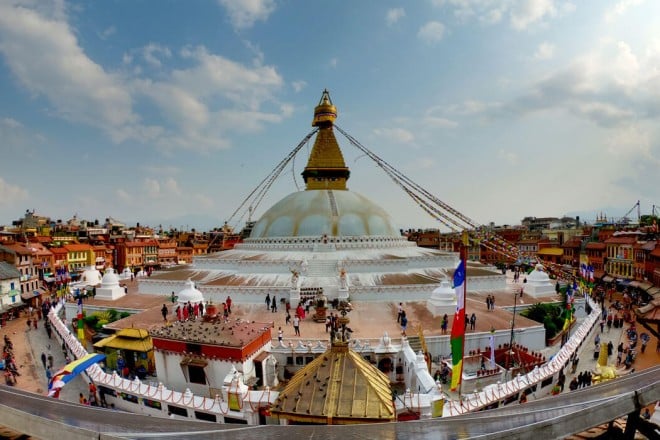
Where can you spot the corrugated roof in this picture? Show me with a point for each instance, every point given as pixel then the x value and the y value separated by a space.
pixel 338 387
pixel 8 271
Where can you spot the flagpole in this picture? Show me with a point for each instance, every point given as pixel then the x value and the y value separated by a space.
pixel 463 255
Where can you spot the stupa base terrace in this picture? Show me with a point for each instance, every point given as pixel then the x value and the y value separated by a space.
pixel 362 268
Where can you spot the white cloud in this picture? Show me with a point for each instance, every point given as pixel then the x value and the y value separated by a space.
pixel 399 135
pixel 124 196
pixel 620 8
pixel 298 86
pixel 432 32
pixel 21 141
pixel 611 85
pixel 10 123
pixel 172 187
pixel 394 15
pixel 439 122
pixel 151 51
pixel 522 13
pixel 508 156
pixel 107 32
pixel 473 107
pixel 190 102
pixel 10 193
pixel 527 12
pixel 545 51
pixel 79 89
pixel 629 140
pixel 244 13
pixel 152 187
pixel 165 170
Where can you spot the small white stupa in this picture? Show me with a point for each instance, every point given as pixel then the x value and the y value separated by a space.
pixel 538 283
pixel 442 300
pixel 110 288
pixel 190 294
pixel 90 277
pixel 126 274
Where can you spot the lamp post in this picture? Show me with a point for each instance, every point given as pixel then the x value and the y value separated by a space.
pixel 509 360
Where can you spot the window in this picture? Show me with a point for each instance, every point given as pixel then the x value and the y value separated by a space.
pixel 299 360
pixel 177 410
pixel 205 416
pixel 196 374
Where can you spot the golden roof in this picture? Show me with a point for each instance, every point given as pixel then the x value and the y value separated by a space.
pixel 132 341
pixel 338 387
pixel 326 168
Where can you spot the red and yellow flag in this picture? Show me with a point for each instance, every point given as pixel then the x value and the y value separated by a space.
pixel 458 327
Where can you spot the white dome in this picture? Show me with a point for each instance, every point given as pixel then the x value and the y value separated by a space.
pixel 329 212
pixel 91 276
pixel 189 293
pixel 110 278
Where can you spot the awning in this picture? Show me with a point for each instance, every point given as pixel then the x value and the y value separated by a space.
pixel 608 279
pixel 130 344
pixel 8 307
pixel 27 295
pixel 653 291
pixel 194 361
pixel 49 279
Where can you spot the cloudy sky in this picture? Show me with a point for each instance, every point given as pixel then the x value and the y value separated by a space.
pixel 172 112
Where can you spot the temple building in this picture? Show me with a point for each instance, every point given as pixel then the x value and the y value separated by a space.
pixel 328 237
pixel 339 387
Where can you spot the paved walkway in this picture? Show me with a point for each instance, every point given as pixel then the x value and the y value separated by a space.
pixel 28 346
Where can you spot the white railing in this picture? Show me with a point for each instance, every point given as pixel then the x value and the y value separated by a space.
pixel 479 400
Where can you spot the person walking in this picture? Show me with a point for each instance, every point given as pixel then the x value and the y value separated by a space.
pixel 228 302
pixel 43 360
pixel 273 304
pixel 400 311
pixel 163 311
pixel 473 321
pixel 296 325
pixel 404 322
pixel 280 335
pixel 267 301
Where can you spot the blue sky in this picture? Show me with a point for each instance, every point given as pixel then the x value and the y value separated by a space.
pixel 171 112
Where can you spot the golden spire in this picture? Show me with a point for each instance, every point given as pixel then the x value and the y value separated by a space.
pixel 325 168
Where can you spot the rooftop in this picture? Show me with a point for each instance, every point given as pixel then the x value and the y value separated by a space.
pixel 233 333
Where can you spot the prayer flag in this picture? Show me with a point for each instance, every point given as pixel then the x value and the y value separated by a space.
pixel 458 328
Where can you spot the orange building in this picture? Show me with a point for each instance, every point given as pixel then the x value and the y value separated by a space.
pixel 130 254
pixel 596 257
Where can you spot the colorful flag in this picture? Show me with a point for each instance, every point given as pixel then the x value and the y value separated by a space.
pixel 458 327
pixel 81 324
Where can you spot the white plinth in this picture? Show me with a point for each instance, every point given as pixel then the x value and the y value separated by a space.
pixel 109 293
pixel 442 300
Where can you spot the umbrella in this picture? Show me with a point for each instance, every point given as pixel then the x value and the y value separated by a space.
pixel 71 370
